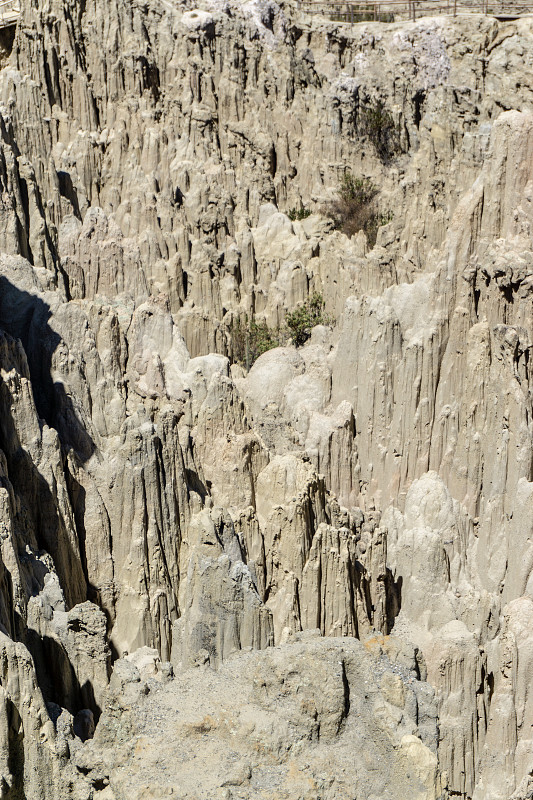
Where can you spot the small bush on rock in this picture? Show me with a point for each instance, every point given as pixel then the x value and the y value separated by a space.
pixel 303 319
pixel 356 210
pixel 299 214
pixel 249 340
pixel 376 123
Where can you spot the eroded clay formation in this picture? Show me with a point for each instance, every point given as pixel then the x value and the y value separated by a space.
pixel 312 579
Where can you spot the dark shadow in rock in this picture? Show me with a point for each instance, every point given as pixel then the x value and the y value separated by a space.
pixel 7 37
pixel 67 190
pixel 15 756
pixel 84 724
pixel 7 606
pixel 194 484
pixel 393 595
pixel 25 316
pixel 57 679
pixel 37 515
pixel 77 498
pixel 393 590
pixel 41 516
pixel 178 198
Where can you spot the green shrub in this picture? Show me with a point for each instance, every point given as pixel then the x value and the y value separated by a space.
pixel 249 340
pixel 299 213
pixel 377 124
pixel 357 190
pixel 303 319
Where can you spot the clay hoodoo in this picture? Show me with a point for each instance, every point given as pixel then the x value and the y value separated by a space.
pixel 310 575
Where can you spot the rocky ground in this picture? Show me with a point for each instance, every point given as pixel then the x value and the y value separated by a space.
pixel 317 717
pixel 192 553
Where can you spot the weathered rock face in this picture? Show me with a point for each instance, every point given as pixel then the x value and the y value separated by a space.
pixel 310 718
pixel 155 496
pixel 29 763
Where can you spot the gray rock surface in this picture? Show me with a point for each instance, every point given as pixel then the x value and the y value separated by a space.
pixel 162 509
pixel 317 717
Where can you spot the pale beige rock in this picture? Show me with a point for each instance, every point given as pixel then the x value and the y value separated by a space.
pixel 379 476
pixel 284 719
pixel 221 611
pixel 29 764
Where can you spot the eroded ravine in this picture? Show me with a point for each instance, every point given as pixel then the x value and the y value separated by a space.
pixel 377 480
